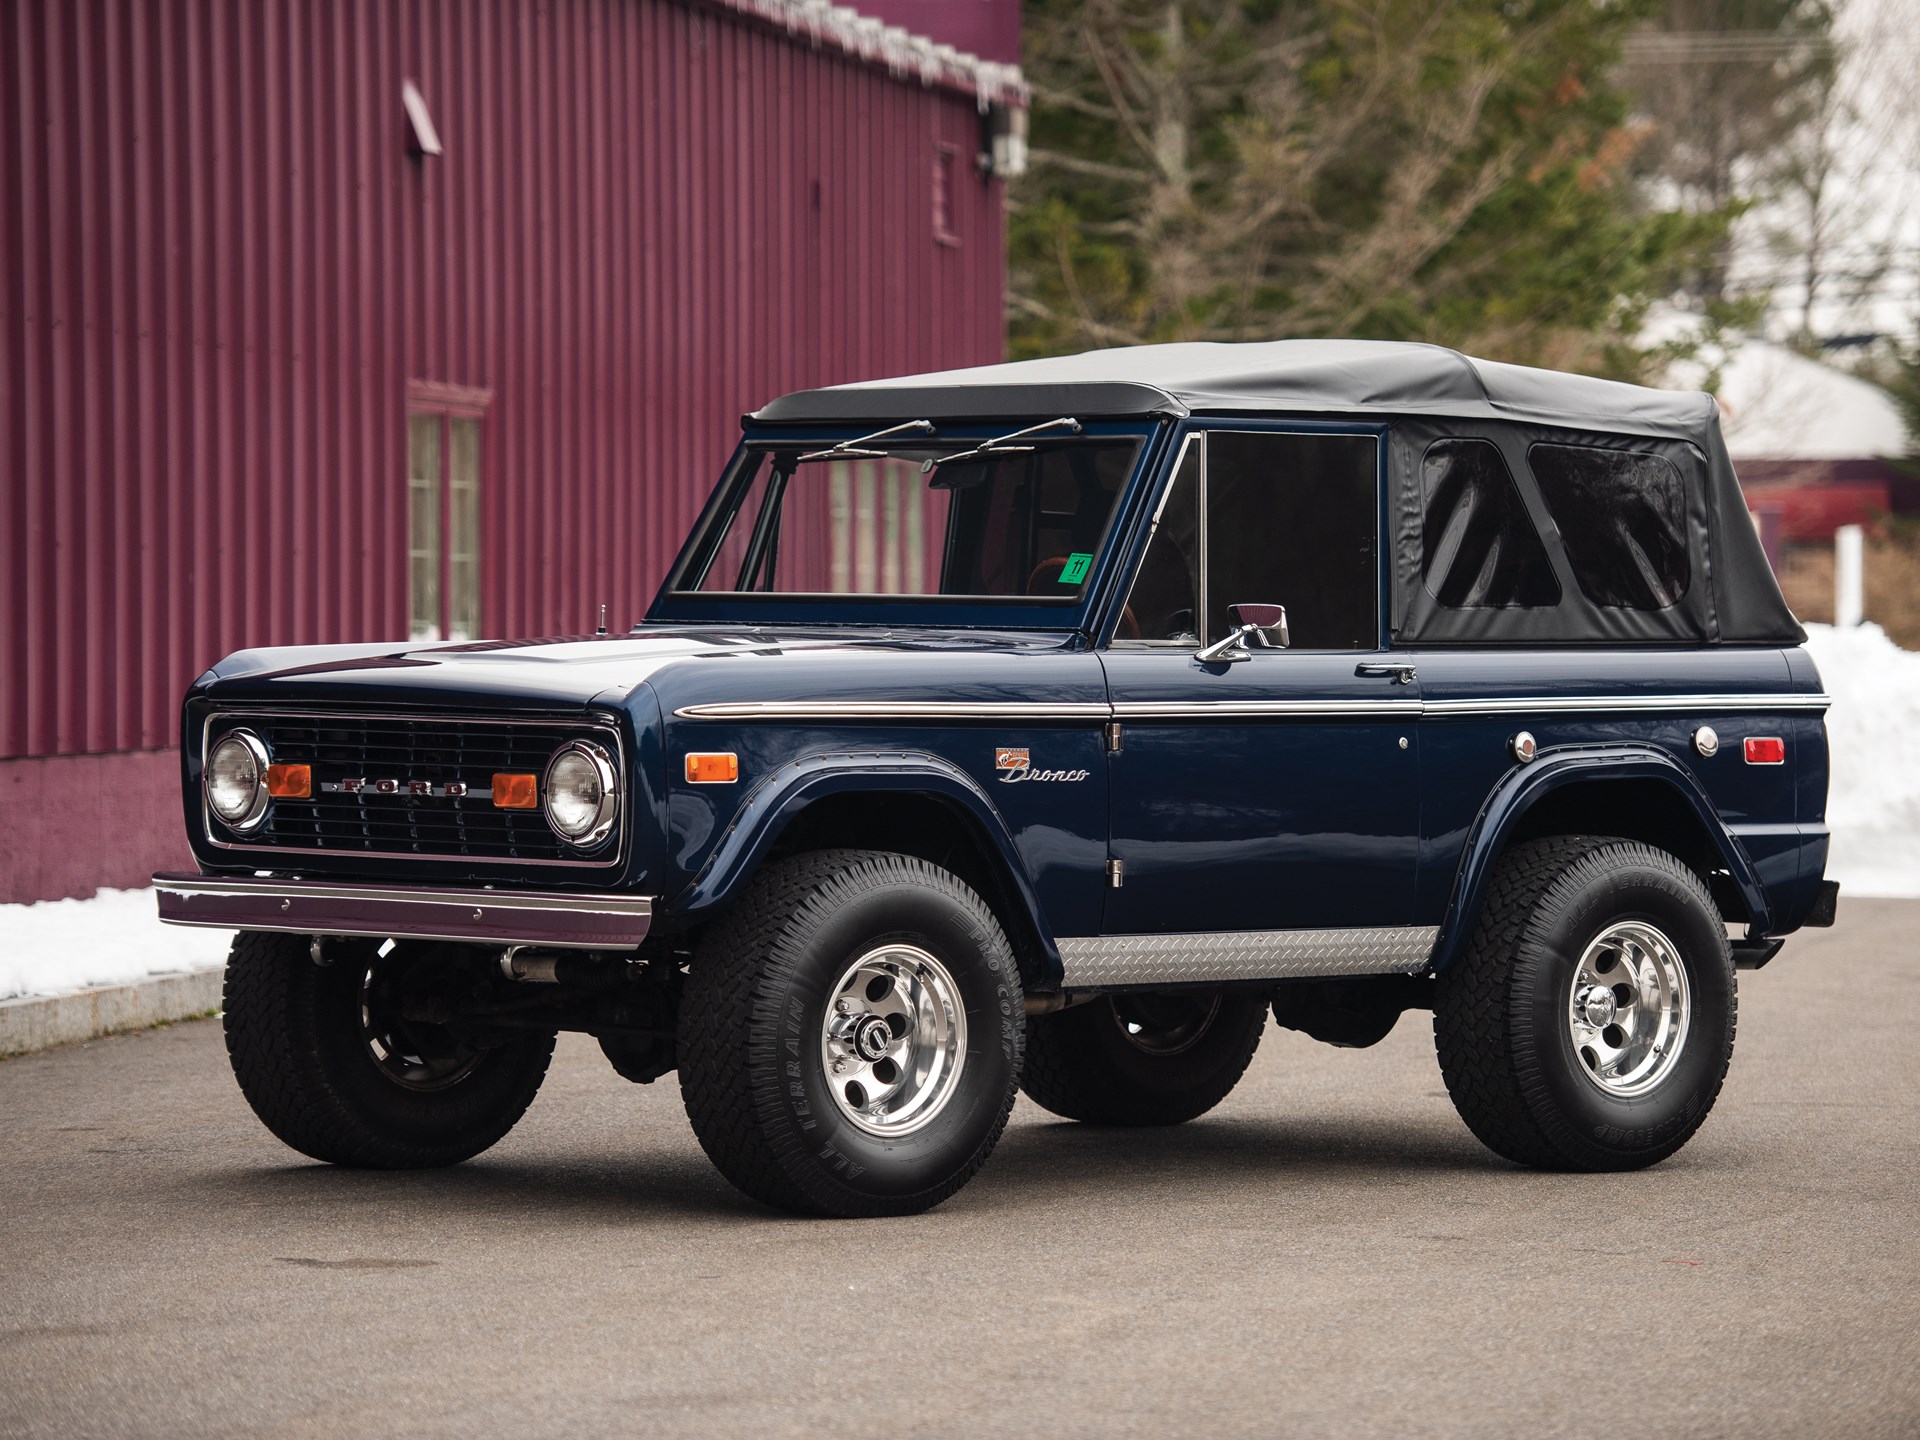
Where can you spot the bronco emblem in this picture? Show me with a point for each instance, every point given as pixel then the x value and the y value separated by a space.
pixel 1014 764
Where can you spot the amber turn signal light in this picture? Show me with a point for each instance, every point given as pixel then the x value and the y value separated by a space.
pixel 516 792
pixel 722 769
pixel 1766 750
pixel 289 782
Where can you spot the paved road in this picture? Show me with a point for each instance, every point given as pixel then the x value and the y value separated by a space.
pixel 1330 1253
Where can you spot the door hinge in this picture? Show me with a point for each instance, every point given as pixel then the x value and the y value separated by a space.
pixel 1116 873
pixel 1113 737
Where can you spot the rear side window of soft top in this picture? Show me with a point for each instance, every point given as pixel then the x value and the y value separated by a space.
pixel 1622 516
pixel 906 515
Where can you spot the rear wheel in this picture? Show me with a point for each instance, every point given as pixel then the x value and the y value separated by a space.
pixel 1146 1058
pixel 329 1061
pixel 851 1034
pixel 1590 1023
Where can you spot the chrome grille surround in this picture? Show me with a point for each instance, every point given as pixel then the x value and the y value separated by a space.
pixel 407 746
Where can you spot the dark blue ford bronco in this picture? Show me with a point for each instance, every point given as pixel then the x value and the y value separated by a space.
pixel 1043 726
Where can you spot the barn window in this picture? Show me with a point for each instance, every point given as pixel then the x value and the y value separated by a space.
pixel 443 513
pixel 946 166
pixel 1479 550
pixel 1623 518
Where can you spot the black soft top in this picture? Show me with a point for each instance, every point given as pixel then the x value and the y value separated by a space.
pixel 1283 376
pixel 1433 394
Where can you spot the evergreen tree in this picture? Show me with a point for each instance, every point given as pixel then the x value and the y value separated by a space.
pixel 1457 171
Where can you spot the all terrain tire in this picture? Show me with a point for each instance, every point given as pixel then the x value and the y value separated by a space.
pixel 851 1034
pixel 1143 1059
pixel 328 1066
pixel 1590 1023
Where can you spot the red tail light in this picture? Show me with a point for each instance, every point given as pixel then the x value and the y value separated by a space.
pixel 1766 750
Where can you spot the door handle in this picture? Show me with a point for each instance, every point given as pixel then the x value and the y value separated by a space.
pixel 1401 673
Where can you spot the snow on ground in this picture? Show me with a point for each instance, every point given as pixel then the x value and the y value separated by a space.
pixel 115 938
pixel 1873 802
pixel 1873 807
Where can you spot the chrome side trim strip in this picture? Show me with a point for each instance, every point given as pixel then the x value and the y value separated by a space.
pixel 1112 960
pixel 1255 709
pixel 467 916
pixel 1246 709
pixel 896 710
pixel 1597 704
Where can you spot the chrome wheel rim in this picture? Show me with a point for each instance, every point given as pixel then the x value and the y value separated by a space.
pixel 894 1040
pixel 1628 1009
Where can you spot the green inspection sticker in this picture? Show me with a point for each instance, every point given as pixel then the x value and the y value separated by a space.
pixel 1076 570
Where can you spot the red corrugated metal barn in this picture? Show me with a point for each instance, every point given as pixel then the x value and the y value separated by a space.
pixel 271 371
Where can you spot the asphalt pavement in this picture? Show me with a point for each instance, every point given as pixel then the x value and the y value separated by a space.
pixel 1329 1253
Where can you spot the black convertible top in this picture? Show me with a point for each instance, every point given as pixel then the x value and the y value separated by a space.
pixel 1432 395
pixel 1283 376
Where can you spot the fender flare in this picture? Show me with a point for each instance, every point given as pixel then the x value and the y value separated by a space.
pixel 782 794
pixel 1525 786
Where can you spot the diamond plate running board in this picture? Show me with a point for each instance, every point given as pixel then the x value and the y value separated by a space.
pixel 1104 960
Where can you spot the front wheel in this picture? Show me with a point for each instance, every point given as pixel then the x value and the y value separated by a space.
pixel 1590 1023
pixel 850 1035
pixel 331 1063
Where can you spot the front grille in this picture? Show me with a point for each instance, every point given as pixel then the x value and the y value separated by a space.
pixel 405 749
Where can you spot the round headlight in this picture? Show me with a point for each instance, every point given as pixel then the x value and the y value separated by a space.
pixel 583 794
pixel 237 780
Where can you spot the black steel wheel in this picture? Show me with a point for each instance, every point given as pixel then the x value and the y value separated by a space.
pixel 1146 1058
pixel 329 1061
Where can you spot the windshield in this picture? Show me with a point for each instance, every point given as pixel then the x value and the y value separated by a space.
pixel 988 523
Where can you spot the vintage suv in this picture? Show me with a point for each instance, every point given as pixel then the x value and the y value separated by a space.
pixel 1041 726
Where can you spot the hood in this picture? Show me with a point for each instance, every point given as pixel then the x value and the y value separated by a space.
pixel 565 671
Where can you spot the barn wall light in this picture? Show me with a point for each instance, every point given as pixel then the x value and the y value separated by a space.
pixel 422 138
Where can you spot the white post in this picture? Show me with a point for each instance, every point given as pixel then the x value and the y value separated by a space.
pixel 1849 576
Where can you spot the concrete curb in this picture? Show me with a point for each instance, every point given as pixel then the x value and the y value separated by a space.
pixel 38 1022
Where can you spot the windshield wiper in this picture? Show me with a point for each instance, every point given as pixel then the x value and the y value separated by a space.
pixel 1002 445
pixel 851 448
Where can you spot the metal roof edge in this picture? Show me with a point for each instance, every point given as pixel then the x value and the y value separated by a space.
pixel 897 50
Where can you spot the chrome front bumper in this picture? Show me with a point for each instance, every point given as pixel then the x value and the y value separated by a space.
pixel 471 917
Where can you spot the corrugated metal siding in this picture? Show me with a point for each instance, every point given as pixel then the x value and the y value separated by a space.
pixel 219 270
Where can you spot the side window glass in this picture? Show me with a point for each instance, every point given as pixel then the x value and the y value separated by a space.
pixel 1164 603
pixel 1623 518
pixel 1294 520
pixel 1478 548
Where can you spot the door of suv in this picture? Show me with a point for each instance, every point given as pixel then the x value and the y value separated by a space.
pixel 1277 792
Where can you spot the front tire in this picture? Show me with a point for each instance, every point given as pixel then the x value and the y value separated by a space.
pixel 1591 1021
pixel 850 1035
pixel 327 1062
pixel 1154 1058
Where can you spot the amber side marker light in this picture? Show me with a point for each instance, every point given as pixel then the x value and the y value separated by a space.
pixel 516 792
pixel 289 782
pixel 1766 750
pixel 722 769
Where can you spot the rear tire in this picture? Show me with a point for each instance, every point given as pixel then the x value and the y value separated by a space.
pixel 328 1066
pixel 850 1035
pixel 1590 1023
pixel 1143 1059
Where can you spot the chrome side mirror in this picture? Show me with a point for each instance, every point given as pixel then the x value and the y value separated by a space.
pixel 1263 627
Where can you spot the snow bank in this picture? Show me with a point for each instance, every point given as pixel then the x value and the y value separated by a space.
pixel 116 937
pixel 1873 805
